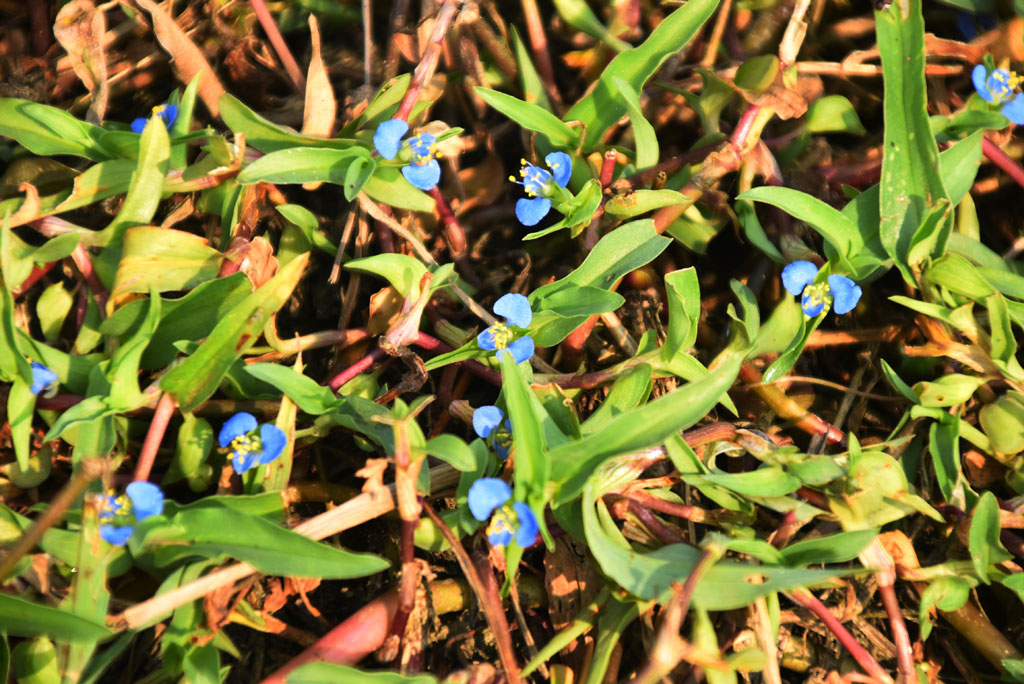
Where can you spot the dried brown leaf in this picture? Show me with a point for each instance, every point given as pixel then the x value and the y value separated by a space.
pixel 80 29
pixel 187 59
pixel 321 108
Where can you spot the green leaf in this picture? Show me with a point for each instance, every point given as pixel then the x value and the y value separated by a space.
pixel 123 371
pixel 389 186
pixel 983 536
pixel 831 224
pixel 304 219
pixel 944 593
pixel 452 451
pixel 310 397
pixel 643 132
pixel 949 390
pixel 640 428
pixel 23 618
pixel 532 467
pixel 724 586
pixel 833 114
pixel 578 14
pixel 683 294
pixel 266 136
pixel 579 211
pixel 146 188
pixel 911 182
pixel 273 550
pixel 1003 422
pixel 48 131
pixel 197 377
pixel 562 311
pixel 834 548
pixel 310 164
pixel 601 107
pixel 21 406
pixel 765 481
pixel 52 308
pixel 162 259
pixel 630 390
pixel 642 201
pixel 402 271
pixel 533 86
pixel 329 673
pixel 531 117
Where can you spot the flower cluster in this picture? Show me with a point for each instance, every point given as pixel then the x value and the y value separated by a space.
pixel 490 424
pixel 249 449
pixel 167 112
pixel 488 496
pixel 541 186
pixel 118 515
pixel 515 308
pixel 42 378
pixel 421 169
pixel 998 87
pixel 798 279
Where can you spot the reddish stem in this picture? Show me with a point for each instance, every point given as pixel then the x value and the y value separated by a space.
pixel 859 653
pixel 155 435
pixel 280 47
pixel 34 277
pixel 1003 161
pixel 84 264
pixel 360 366
pixel 789 410
pixel 428 62
pixel 539 47
pixel 348 643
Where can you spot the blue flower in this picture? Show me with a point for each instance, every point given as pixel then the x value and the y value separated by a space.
pixel 248 450
pixel 541 185
pixel 488 496
pixel 798 279
pixel 167 112
pixel 118 515
pixel 42 378
pixel 998 87
pixel 422 169
pixel 489 423
pixel 516 310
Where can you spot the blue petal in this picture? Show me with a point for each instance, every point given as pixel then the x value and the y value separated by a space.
pixel 1014 109
pixel 146 498
pixel 109 508
pixel 522 349
pixel 423 176
pixel 118 536
pixel 798 275
pixel 244 462
pixel 241 423
pixel 422 143
pixel 42 378
pixel 387 137
pixel 811 308
pixel 485 340
pixel 526 535
pixel 139 125
pixel 979 76
pixel 501 537
pixel 273 440
pixel 168 113
pixel 515 308
pixel 485 419
pixel 561 167
pixel 485 495
pixel 845 293
pixel 531 211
